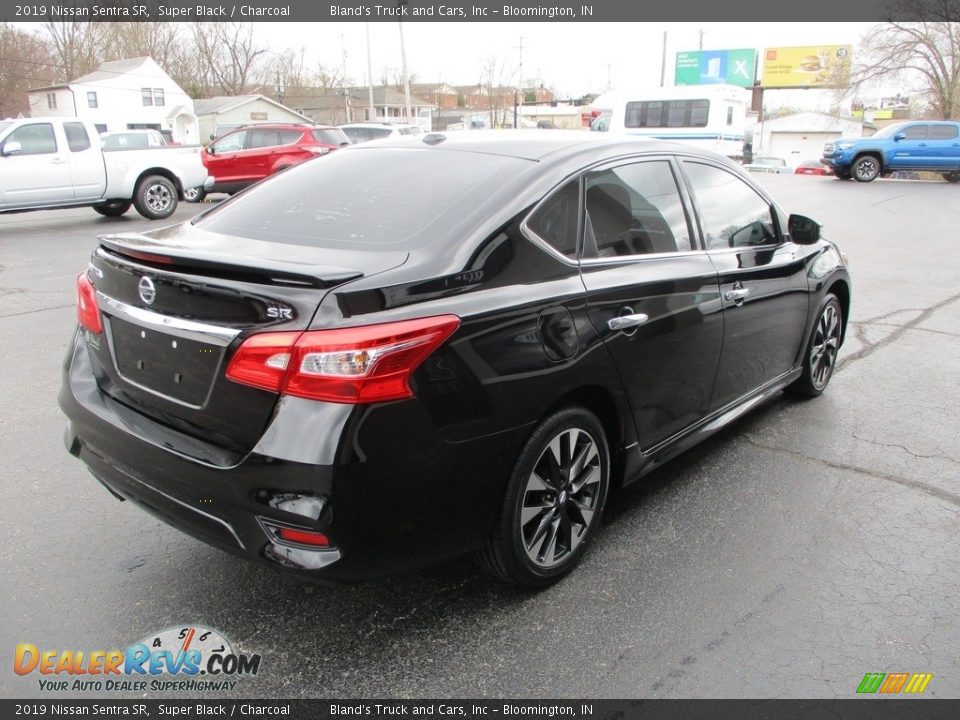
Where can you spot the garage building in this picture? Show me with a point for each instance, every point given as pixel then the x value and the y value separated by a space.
pixel 800 137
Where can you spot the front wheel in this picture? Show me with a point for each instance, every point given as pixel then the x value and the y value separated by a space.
pixel 952 177
pixel 866 169
pixel 155 197
pixel 843 175
pixel 820 358
pixel 194 195
pixel 554 501
pixel 112 208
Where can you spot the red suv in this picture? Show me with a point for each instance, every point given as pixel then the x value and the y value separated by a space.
pixel 248 154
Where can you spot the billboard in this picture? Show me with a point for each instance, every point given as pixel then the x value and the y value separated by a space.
pixel 704 67
pixel 811 66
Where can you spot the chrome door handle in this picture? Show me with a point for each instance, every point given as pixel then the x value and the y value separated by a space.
pixel 57 161
pixel 626 321
pixel 737 295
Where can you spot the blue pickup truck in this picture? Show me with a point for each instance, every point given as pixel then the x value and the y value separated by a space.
pixel 928 145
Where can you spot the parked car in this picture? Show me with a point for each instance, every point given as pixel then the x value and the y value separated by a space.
pixel 51 162
pixel 767 164
pixel 364 132
pixel 812 167
pixel 911 146
pixel 422 348
pixel 132 140
pixel 247 155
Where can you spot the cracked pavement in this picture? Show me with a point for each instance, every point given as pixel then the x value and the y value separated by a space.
pixel 800 548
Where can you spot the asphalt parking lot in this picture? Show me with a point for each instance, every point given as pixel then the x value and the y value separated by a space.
pixel 808 544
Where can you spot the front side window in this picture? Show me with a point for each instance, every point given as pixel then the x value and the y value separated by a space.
pixel 231 143
pixel 555 221
pixel 92 100
pixel 35 139
pixel 634 209
pixel 915 132
pixel 77 138
pixel 147 95
pixel 732 214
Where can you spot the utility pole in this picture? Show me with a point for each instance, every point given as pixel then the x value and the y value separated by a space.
pixel 346 94
pixel 663 60
pixel 518 89
pixel 403 64
pixel 701 39
pixel 372 117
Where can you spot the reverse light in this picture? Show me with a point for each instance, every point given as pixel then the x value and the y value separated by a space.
pixel 319 150
pixel 88 312
pixel 369 363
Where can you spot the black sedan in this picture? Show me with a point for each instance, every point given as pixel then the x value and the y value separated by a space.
pixel 429 347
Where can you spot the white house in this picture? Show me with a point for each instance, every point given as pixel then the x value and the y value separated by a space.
pixel 801 136
pixel 217 115
pixel 134 94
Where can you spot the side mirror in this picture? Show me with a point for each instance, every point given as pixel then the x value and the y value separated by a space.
pixel 212 136
pixel 900 136
pixel 210 150
pixel 12 148
pixel 803 230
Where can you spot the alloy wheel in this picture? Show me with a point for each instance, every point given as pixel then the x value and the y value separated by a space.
pixel 560 498
pixel 826 343
pixel 158 198
pixel 867 169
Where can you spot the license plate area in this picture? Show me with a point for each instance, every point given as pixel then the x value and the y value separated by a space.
pixel 170 366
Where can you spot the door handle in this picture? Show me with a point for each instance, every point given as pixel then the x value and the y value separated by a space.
pixel 57 161
pixel 626 321
pixel 737 295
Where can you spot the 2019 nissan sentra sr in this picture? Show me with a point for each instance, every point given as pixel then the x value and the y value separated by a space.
pixel 443 345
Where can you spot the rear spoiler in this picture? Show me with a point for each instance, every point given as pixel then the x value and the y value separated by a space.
pixel 162 256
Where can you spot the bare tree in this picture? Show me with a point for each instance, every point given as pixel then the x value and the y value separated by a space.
pixel 77 46
pixel 927 51
pixel 26 64
pixel 227 57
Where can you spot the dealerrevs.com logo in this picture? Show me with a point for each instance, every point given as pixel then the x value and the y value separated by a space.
pixel 189 659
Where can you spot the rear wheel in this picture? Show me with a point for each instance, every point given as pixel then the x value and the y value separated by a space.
pixel 194 195
pixel 952 177
pixel 554 501
pixel 866 168
pixel 155 197
pixel 112 208
pixel 820 358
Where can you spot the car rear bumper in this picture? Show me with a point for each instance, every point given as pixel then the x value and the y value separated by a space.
pixel 396 506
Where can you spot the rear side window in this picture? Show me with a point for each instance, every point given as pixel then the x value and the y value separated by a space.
pixel 262 139
pixel 35 139
pixel 77 138
pixel 915 132
pixel 943 132
pixel 732 214
pixel 378 133
pixel 634 209
pixel 289 136
pixel 555 221
pixel 330 136
pixel 372 197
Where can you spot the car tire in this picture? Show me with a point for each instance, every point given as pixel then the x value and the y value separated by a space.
pixel 820 356
pixel 952 177
pixel 155 197
pixel 866 168
pixel 112 208
pixel 194 195
pixel 554 501
pixel 842 175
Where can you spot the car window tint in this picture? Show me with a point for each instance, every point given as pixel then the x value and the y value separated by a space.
pixel 915 132
pixel 35 139
pixel 262 139
pixel 230 143
pixel 331 136
pixel 555 221
pixel 378 133
pixel 732 214
pixel 634 209
pixel 373 198
pixel 943 132
pixel 77 138
pixel 289 136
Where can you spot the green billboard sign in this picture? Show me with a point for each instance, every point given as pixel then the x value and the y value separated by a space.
pixel 707 67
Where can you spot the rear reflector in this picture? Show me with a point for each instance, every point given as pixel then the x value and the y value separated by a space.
pixel 88 312
pixel 370 363
pixel 304 537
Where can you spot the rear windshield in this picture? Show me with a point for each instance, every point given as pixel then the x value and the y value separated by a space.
pixel 389 197
pixel 331 136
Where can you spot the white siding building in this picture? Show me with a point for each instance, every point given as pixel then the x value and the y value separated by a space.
pixel 133 94
pixel 218 115
pixel 800 137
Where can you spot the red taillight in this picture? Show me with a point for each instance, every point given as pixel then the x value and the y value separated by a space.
pixel 88 312
pixel 370 363
pixel 304 537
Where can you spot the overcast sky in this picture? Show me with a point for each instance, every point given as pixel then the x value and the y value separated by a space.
pixel 573 58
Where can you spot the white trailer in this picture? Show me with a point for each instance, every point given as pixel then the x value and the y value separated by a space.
pixel 709 116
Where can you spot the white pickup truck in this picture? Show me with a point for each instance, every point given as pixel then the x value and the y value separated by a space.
pixel 50 163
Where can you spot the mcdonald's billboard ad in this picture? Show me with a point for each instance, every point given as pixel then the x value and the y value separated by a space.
pixel 811 66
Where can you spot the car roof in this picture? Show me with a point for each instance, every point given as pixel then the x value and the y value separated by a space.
pixel 531 144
